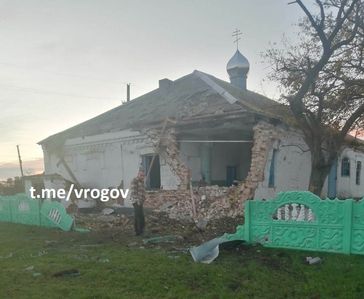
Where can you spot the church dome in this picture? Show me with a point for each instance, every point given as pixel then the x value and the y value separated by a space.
pixel 238 61
pixel 238 68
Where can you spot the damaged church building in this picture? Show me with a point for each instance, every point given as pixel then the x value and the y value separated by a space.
pixel 205 144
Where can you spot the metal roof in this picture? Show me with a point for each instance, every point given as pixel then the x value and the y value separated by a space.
pixel 194 95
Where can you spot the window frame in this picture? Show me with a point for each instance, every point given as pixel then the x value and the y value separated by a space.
pixel 358 172
pixel 272 169
pixel 345 167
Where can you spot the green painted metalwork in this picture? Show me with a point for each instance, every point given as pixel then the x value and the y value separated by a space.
pixel 21 209
pixel 301 220
pixel 55 215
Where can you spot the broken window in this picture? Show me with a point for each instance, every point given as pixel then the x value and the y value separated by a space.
pixel 345 167
pixel 152 172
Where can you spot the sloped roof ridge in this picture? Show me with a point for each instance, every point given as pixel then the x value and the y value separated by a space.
pixel 220 90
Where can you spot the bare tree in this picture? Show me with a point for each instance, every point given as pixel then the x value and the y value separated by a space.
pixel 322 78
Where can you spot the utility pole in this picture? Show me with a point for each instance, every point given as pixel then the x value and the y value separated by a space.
pixel 20 162
pixel 128 92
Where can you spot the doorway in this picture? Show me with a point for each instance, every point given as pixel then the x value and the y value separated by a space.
pixel 231 175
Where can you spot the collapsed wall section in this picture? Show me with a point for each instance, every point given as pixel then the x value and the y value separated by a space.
pixel 264 135
pixel 210 201
pixel 165 144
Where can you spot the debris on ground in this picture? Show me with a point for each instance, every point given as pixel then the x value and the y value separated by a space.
pixel 208 251
pixel 119 226
pixel 40 253
pixel 210 202
pixel 107 211
pixel 70 272
pixel 103 220
pixel 173 257
pixel 6 256
pixel 52 242
pixel 132 244
pixel 201 224
pixel 313 260
pixel 31 269
pixel 163 239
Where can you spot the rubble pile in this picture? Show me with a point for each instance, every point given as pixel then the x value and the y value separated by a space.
pixel 211 202
pixel 214 202
pixel 176 203
pixel 97 221
pixel 119 227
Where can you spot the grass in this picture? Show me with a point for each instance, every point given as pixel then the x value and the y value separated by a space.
pixel 29 256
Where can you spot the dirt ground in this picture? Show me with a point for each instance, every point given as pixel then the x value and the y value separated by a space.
pixel 160 230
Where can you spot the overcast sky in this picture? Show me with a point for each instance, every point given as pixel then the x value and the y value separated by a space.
pixel 63 62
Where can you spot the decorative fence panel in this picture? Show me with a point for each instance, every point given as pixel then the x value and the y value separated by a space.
pixel 301 220
pixel 357 233
pixel 22 209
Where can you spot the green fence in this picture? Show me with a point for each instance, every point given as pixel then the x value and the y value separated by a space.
pixel 301 220
pixel 22 209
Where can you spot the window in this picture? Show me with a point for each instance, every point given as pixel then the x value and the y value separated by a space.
pixel 271 182
pixel 358 172
pixel 153 181
pixel 345 167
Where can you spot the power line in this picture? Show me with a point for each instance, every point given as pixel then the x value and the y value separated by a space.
pixel 101 81
pixel 49 92
pixel 63 74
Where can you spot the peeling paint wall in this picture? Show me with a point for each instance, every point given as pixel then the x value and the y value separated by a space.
pixel 292 165
pixel 101 161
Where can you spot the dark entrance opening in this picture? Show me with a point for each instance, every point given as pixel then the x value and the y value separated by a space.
pixel 231 175
pixel 153 181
